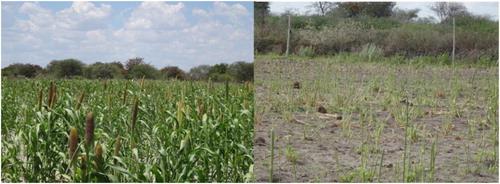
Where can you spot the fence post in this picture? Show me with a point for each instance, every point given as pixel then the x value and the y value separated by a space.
pixel 288 38
pixel 453 52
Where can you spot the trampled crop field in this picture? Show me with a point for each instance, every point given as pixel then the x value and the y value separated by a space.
pixel 379 122
pixel 126 131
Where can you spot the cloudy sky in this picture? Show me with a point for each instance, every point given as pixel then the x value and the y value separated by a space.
pixel 478 8
pixel 184 34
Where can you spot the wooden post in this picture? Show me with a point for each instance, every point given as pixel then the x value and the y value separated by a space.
pixel 453 52
pixel 288 38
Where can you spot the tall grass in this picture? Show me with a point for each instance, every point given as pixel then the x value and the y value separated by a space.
pixel 214 145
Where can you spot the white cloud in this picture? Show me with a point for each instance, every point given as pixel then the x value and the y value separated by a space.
pixel 221 8
pixel 84 16
pixel 155 15
pixel 158 31
pixel 81 16
pixel 200 12
pixel 38 16
pixel 234 13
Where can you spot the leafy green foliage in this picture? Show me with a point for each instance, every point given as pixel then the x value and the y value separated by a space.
pixel 19 69
pixel 241 71
pixel 65 68
pixel 101 71
pixel 200 72
pixel 173 72
pixel 184 132
pixel 138 71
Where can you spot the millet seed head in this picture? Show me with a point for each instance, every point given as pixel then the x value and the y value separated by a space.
pixel 73 142
pixel 98 152
pixel 84 162
pixel 117 146
pixel 89 129
pixel 135 108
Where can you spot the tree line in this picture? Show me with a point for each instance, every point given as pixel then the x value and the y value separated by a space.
pixel 332 28
pixel 133 68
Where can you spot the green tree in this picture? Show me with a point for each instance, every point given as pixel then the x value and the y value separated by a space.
pixel 373 9
pixel 352 8
pixel 261 12
pixel 138 71
pixel 378 9
pixel 19 69
pixel 65 68
pixel 100 70
pixel 218 68
pixel 200 72
pixel 241 71
pixel 132 62
pixel 173 72
pixel 405 15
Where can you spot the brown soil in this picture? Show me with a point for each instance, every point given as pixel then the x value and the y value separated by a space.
pixel 325 139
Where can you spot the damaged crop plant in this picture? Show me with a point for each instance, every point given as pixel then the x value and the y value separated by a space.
pixel 126 131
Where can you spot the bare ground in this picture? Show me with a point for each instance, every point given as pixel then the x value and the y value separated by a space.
pixel 326 153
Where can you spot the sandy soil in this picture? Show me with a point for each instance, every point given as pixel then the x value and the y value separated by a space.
pixel 324 155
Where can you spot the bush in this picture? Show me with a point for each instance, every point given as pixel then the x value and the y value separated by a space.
pixel 328 41
pixel 200 72
pixel 25 70
pixel 307 51
pixel 101 71
pixel 138 71
pixel 403 34
pixel 218 77
pixel 173 72
pixel 418 39
pixel 65 68
pixel 218 68
pixel 241 71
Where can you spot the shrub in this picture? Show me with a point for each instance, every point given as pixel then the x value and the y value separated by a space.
pixel 218 68
pixel 307 51
pixel 414 40
pixel 241 71
pixel 342 37
pixel 173 72
pixel 65 68
pixel 218 77
pixel 141 70
pixel 200 72
pixel 101 71
pixel 19 69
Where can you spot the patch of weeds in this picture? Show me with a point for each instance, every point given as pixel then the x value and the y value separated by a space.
pixel 348 178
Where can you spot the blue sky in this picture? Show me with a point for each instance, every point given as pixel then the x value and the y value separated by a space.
pixel 184 34
pixel 478 8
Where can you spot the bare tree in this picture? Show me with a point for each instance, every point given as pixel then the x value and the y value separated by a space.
pixel 440 9
pixel 445 10
pixel 321 7
pixel 456 8
pixel 406 15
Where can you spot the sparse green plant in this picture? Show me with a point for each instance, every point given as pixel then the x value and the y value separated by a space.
pixel 371 52
pixel 307 51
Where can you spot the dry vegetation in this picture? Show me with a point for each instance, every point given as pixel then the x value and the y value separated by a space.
pixel 384 122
